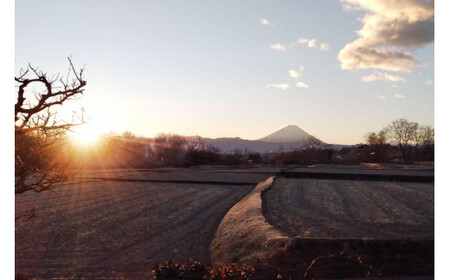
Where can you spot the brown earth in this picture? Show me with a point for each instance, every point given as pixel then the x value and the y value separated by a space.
pixel 313 208
pixel 107 226
pixel 108 229
pixel 348 228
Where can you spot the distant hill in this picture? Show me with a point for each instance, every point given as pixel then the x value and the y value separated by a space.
pixel 288 138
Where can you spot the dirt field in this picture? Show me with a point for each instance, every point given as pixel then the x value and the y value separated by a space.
pixel 108 229
pixel 120 222
pixel 314 208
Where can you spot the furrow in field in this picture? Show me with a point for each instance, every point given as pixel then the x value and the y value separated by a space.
pixel 125 225
pixel 315 208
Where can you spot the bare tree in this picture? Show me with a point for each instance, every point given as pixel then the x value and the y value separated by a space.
pixel 378 143
pixel 197 152
pixel 39 161
pixel 424 142
pixel 425 135
pixel 170 148
pixel 404 133
pixel 194 144
pixel 374 138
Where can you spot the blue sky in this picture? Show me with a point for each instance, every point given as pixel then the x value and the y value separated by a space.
pixel 337 69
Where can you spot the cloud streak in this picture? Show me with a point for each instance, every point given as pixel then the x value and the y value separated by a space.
pixel 389 30
pixel 296 73
pixel 301 85
pixel 310 43
pixel 324 47
pixel 381 97
pixel 378 76
pixel 278 86
pixel 278 46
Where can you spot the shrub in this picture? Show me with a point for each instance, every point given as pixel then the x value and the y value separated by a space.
pixel 195 270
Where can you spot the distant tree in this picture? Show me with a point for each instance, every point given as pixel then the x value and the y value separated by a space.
pixel 233 158
pixel 380 138
pixel 404 133
pixel 414 142
pixel 255 157
pixel 128 135
pixel 425 142
pixel 378 142
pixel 195 151
pixel 170 149
pixel 193 143
pixel 425 135
pixel 133 149
pixel 39 160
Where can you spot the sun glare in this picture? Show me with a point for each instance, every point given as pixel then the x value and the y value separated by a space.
pixel 86 134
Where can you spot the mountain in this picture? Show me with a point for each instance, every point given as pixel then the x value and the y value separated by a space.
pixel 288 134
pixel 288 138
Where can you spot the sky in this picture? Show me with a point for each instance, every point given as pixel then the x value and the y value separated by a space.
pixel 337 69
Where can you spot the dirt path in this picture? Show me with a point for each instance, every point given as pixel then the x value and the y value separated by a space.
pixel 315 208
pixel 109 229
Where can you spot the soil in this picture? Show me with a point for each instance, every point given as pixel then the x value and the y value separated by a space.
pixel 118 223
pixel 314 208
pixel 108 229
pixel 348 228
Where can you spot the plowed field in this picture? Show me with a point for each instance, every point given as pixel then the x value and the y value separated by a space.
pixel 314 208
pixel 106 229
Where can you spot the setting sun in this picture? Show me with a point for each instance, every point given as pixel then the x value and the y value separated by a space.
pixel 90 132
pixel 86 134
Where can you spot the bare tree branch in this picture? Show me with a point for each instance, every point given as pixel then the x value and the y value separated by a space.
pixel 39 160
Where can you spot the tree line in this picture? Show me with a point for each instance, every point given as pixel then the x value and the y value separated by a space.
pixel 414 141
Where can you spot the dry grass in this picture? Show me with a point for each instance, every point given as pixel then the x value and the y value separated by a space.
pixel 244 235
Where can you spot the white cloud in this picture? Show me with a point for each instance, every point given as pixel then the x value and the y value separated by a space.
pixel 296 73
pixel 395 86
pixel 264 21
pixel 378 76
pixel 389 29
pixel 312 43
pixel 382 97
pixel 303 41
pixel 278 46
pixel 301 85
pixel 279 86
pixel 429 82
pixel 324 47
pixel 398 95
